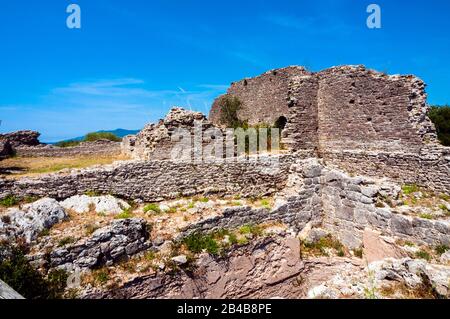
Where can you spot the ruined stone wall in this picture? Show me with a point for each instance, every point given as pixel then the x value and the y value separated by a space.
pixel 349 208
pixel 264 98
pixel 21 138
pixel 430 168
pixel 157 180
pixel 360 109
pixel 341 108
pixel 100 148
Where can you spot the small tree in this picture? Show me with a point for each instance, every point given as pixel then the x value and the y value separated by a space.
pixel 440 116
pixel 230 105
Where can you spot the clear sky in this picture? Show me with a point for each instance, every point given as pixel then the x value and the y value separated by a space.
pixel 133 59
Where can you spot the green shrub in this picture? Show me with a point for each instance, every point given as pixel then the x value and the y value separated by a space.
pixel 359 252
pixel 27 281
pixel 198 242
pixel 422 254
pixel 66 241
pixel 229 106
pixel 441 249
pixel 9 201
pixel 265 203
pixel 152 207
pixel 426 216
pixel 101 276
pixel 409 189
pixel 126 214
pixel 251 229
pixel 92 137
pixel 204 200
pixel 440 116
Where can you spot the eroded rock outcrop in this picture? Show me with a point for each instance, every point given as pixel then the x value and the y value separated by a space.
pixel 156 141
pixel 115 242
pixel 262 270
pixel 31 220
pixel 22 138
pixel 100 204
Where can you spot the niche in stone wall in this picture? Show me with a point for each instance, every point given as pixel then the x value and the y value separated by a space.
pixel 281 122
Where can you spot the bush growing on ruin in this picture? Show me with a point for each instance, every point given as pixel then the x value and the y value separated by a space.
pixel 27 281
pixel 230 105
pixel 440 115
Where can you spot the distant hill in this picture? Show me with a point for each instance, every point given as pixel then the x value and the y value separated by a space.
pixel 120 132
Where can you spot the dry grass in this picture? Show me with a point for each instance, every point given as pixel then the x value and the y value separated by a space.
pixel 29 166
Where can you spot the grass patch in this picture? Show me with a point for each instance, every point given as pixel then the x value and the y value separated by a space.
pixel 126 214
pixel 199 242
pixel 9 201
pixel 30 166
pixel 204 200
pixel 251 229
pixel 152 208
pixel 66 241
pixel 265 203
pixel 441 249
pixel 409 189
pixel 320 247
pixel 101 276
pixel 426 216
pixel 90 229
pixel 422 254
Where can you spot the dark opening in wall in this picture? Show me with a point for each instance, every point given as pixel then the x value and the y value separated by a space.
pixel 281 122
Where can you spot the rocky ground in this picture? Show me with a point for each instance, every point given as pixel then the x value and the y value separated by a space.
pixel 148 250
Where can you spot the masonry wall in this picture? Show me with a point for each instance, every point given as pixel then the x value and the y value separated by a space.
pixel 430 168
pixel 360 109
pixel 156 180
pixel 100 148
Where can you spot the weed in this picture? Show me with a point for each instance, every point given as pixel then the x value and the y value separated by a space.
pixel 66 241
pixel 441 249
pixel 422 254
pixel 127 213
pixel 9 201
pixel 409 189
pixel 101 276
pixel 153 208
pixel 426 216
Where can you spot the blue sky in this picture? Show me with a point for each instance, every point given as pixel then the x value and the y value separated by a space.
pixel 132 60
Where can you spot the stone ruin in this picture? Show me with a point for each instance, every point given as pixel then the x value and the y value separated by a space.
pixel 353 137
pixel 27 144
pixel 345 115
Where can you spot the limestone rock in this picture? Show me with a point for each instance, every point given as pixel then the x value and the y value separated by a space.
pixel 117 241
pixel 377 248
pixel 101 204
pixel 180 260
pixel 32 219
pixel 22 138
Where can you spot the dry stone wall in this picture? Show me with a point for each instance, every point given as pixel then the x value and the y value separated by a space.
pixel 430 168
pixel 100 148
pixel 157 180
